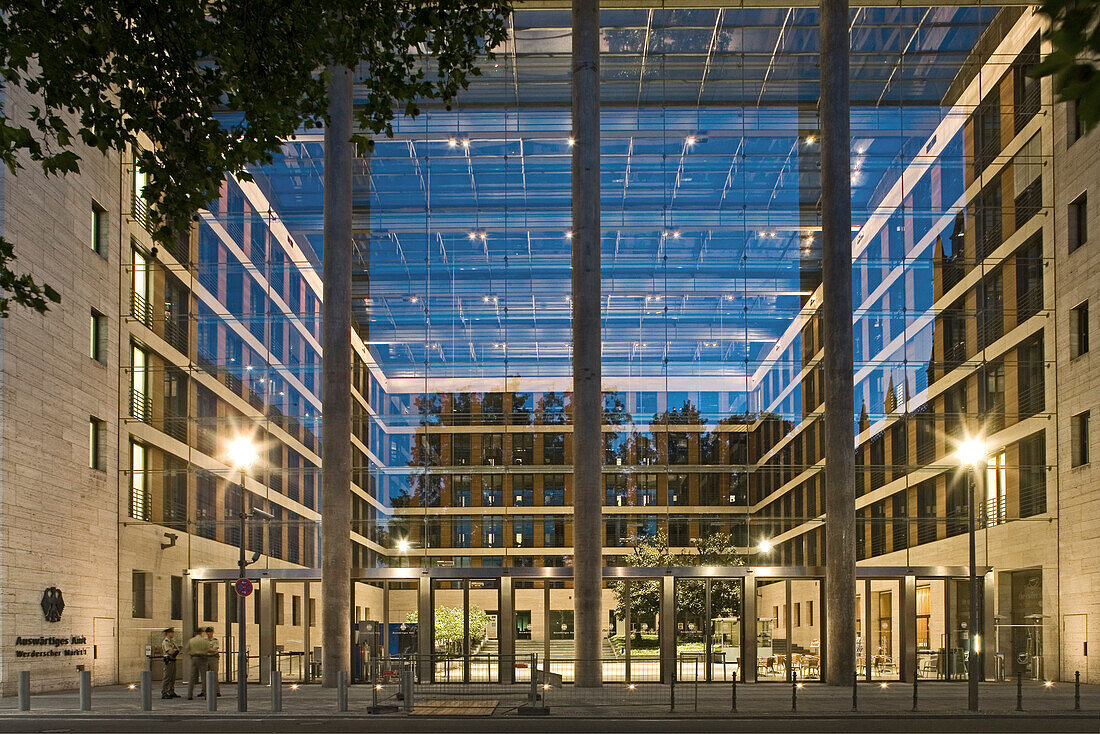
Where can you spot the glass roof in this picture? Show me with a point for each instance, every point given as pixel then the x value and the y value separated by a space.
pixel 709 188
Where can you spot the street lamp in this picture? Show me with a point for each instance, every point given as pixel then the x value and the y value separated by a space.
pixel 765 546
pixel 971 454
pixel 242 454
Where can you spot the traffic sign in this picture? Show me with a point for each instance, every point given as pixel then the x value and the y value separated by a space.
pixel 243 587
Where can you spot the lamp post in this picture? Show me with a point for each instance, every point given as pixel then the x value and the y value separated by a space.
pixel 242 454
pixel 971 455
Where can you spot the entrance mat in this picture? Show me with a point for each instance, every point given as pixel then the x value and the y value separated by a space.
pixel 454 708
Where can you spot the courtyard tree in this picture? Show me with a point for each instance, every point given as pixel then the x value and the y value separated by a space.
pixel 713 549
pixel 215 86
pixel 448 626
pixel 1074 60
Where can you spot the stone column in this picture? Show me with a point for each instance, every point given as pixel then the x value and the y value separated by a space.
pixel 836 267
pixel 587 403
pixel 336 385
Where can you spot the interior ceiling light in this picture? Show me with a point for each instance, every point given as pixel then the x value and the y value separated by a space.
pixel 690 140
pixel 569 235
pixel 572 141
pixel 466 144
pixel 452 143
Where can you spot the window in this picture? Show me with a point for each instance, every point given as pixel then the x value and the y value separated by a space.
pixel 140 592
pixel 553 490
pixel 139 491
pixel 1075 125
pixel 1078 222
pixel 1079 439
pixel 139 384
pixel 140 307
pixel 210 602
pixel 176 601
pixel 995 480
pixel 492 490
pixel 1029 279
pixel 97 430
pixel 1033 473
pixel 810 613
pixel 1079 330
pixel 523 448
pixel 523 490
pixel 98 239
pixel 492 452
pixel 97 337
pixel 924 617
pixel 553 448
pixel 1031 384
pixel 296 610
pixel 312 612
pixel 280 611
pixel 992 395
pixel 798 614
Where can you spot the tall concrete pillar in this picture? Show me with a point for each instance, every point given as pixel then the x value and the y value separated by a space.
pixel 587 402
pixel 336 390
pixel 836 267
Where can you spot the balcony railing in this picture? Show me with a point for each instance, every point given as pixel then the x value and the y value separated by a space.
pixel 1029 303
pixel 176 427
pixel 1032 399
pixel 175 333
pixel 139 405
pixel 993 512
pixel 140 309
pixel 139 209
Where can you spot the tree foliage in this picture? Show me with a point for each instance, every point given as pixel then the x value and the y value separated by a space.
pixel 715 549
pixel 1074 60
pixel 217 85
pixel 448 626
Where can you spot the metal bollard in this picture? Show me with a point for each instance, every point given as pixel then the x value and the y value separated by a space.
pixel 211 691
pixel 341 690
pixel 24 690
pixel 1077 690
pixel 915 690
pixel 1019 691
pixel 855 700
pixel 794 690
pixel 146 690
pixel 533 693
pixel 733 703
pixel 406 686
pixel 277 691
pixel 85 690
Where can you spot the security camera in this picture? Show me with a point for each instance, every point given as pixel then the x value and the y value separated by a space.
pixel 262 514
pixel 255 557
pixel 172 537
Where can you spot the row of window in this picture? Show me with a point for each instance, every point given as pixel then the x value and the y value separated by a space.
pixel 142 592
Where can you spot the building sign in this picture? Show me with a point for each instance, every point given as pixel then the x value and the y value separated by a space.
pixel 51 647
pixel 53 604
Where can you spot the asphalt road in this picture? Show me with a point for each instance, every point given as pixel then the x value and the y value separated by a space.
pixel 780 724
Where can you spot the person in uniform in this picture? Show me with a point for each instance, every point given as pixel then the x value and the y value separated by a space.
pixel 198 648
pixel 171 651
pixel 212 656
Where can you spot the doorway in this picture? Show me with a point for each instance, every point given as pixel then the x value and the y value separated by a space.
pixel 1074 646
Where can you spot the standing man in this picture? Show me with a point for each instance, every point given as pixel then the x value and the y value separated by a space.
pixel 171 651
pixel 213 653
pixel 198 648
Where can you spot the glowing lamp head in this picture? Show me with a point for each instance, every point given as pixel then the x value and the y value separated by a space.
pixel 971 452
pixel 403 545
pixel 241 452
pixel 764 547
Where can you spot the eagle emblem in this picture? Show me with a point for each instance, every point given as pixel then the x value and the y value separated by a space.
pixel 53 604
